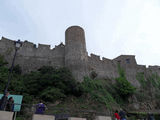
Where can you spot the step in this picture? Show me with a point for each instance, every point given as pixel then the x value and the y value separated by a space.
pixel 75 118
pixel 5 115
pixel 103 118
pixel 43 117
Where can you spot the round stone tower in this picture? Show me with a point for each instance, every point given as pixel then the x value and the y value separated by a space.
pixel 76 56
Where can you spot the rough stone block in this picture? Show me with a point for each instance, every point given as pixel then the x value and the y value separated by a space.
pixel 74 118
pixel 43 117
pixel 4 115
pixel 103 118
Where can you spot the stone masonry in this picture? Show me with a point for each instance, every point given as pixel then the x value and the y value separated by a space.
pixel 74 56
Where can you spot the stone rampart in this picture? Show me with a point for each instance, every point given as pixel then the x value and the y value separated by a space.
pixel 154 69
pixel 104 68
pixel 74 56
pixel 30 57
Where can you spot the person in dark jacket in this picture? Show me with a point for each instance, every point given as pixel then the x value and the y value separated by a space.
pixel 150 117
pixel 122 115
pixel 3 101
pixel 40 108
pixel 10 104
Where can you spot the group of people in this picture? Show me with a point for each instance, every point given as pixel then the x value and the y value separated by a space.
pixel 120 116
pixel 7 104
pixel 149 116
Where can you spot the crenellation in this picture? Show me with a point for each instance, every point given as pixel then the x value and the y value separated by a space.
pixel 27 44
pixel 5 43
pixel 154 67
pixel 61 44
pixel 74 56
pixel 95 57
pixel 6 40
pixel 44 47
pixel 106 59
pixel 141 68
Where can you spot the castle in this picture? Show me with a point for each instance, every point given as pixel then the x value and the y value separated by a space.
pixel 74 56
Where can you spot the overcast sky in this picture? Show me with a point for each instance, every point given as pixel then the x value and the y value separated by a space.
pixel 112 27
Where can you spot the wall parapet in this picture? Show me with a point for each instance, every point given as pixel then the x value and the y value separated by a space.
pixel 106 59
pixel 94 57
pixel 28 44
pixel 155 67
pixel 43 46
pixel 7 41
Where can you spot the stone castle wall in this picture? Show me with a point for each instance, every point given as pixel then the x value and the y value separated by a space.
pixel 74 56
pixel 30 57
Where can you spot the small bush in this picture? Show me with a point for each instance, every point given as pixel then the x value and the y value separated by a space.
pixel 52 94
pixel 122 86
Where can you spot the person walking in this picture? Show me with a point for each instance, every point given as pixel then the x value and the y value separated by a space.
pixel 116 115
pixel 10 104
pixel 150 116
pixel 40 108
pixel 3 101
pixel 122 115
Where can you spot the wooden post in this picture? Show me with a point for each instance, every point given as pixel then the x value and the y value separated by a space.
pixel 14 116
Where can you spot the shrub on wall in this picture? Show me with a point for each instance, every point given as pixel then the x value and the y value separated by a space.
pixel 122 86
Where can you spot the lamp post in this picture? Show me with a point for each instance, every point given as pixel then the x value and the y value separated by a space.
pixel 18 44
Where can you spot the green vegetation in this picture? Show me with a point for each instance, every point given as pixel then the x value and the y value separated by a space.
pixel 3 73
pixel 48 84
pixel 58 85
pixel 122 86
pixel 150 88
pixel 98 91
pixel 152 80
pixel 52 84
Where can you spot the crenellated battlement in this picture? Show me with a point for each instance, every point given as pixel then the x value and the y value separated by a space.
pixel 28 44
pixel 154 68
pixel 106 59
pixel 6 40
pixel 44 47
pixel 74 56
pixel 95 57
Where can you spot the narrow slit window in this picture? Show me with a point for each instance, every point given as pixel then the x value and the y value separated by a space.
pixel 128 61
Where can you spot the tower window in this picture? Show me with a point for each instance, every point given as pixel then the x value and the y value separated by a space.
pixel 127 60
